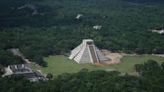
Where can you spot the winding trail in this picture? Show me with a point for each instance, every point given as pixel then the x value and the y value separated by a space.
pixel 31 6
pixel 17 52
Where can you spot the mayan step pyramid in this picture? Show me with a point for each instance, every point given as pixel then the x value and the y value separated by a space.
pixel 87 52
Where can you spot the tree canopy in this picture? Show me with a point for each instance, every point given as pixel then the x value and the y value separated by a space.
pixel 54 29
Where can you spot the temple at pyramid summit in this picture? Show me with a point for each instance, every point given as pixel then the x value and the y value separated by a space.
pixel 87 52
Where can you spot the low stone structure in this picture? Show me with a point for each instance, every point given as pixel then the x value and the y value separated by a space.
pixel 25 71
pixel 158 31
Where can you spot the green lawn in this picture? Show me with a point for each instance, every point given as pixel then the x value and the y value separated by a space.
pixel 128 62
pixel 61 64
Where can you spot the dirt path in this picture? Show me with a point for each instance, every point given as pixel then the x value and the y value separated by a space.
pixel 17 52
pixel 30 6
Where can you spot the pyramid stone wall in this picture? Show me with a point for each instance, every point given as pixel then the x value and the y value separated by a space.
pixel 85 57
pixel 87 52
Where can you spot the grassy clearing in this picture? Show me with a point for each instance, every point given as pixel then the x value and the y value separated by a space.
pixel 127 63
pixel 61 64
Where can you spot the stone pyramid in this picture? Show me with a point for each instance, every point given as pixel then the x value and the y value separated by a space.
pixel 87 52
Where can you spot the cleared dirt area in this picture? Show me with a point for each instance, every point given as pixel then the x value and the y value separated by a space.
pixel 114 58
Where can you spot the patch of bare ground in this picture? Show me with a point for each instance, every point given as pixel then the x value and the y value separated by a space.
pixel 160 55
pixel 114 58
